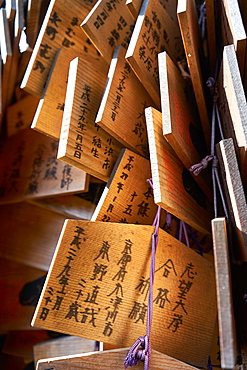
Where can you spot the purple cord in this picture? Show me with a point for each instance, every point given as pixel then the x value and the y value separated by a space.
pixel 196 168
pixel 141 349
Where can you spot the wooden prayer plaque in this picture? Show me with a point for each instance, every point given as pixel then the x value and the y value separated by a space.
pixel 31 169
pixel 233 31
pixel 62 346
pixel 180 122
pixel 211 33
pixel 82 142
pixel 20 115
pixel 127 196
pixel 15 315
pixel 109 25
pixel 188 22
pixel 32 23
pixel 154 32
pixel 236 200
pixel 175 189
pixel 113 359
pixel 6 57
pixel 38 230
pixel 98 284
pixel 134 7
pixel 232 102
pixel 227 330
pixel 49 115
pixel 60 29
pixel 119 115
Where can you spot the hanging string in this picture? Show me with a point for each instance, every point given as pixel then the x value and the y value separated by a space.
pixel 183 230
pixel 196 168
pixel 141 349
pixel 193 235
pixel 202 19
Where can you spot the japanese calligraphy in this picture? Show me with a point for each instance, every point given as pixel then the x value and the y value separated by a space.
pixel 99 285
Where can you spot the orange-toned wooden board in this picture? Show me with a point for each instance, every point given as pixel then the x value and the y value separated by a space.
pixel 98 286
pixel 49 115
pixel 180 122
pixel 60 29
pixel 82 142
pixel 109 25
pixel 30 169
pixel 175 189
pixel 127 197
pixel 154 32
pixel 120 115
pixel 188 22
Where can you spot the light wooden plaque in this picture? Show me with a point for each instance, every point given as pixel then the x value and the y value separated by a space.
pixel 49 114
pixel 20 115
pixel 82 142
pixel 233 31
pixel 32 23
pixel 14 276
pixel 127 197
pixel 60 29
pixel 134 7
pixel 62 346
pixel 122 108
pixel 154 32
pixel 175 189
pixel 97 287
pixel 211 19
pixel 109 25
pixel 38 230
pixel 232 103
pixel 31 169
pixel 235 193
pixel 113 359
pixel 188 22
pixel 180 123
pixel 6 57
pixel 227 329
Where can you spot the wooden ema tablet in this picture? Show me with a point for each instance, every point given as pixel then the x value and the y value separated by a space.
pixel 21 342
pixel 134 7
pixel 49 114
pixel 236 200
pixel 31 169
pixel 37 229
pixel 127 196
pixel 20 115
pixel 98 285
pixel 14 315
pixel 6 56
pixel 82 142
pixel 118 114
pixel 109 25
pixel 71 206
pixel 63 346
pixel 233 31
pixel 188 22
pixel 175 189
pixel 113 359
pixel 227 330
pixel 60 29
pixel 18 27
pixel 211 33
pixel 154 32
pixel 232 102
pixel 180 122
pixel 32 22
